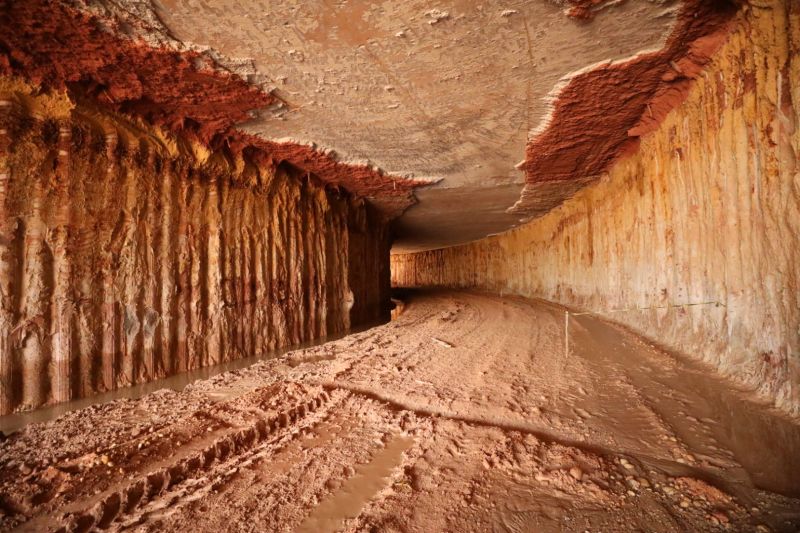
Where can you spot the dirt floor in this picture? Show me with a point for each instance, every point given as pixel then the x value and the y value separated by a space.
pixel 466 413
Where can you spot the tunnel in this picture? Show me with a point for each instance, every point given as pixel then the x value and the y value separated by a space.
pixel 400 266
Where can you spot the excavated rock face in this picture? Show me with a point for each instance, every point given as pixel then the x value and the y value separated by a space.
pixel 448 90
pixel 600 115
pixel 693 239
pixel 143 234
pixel 133 66
pixel 129 254
pixel 460 92
pixel 57 45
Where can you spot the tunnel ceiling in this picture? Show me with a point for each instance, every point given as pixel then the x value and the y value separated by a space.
pixel 446 90
pixel 493 113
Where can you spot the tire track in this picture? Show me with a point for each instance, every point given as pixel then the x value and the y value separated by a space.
pixel 190 472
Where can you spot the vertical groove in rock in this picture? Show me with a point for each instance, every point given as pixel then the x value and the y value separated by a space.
pixel 127 255
pixel 103 266
pixel 8 383
pixel 61 313
pixel 706 211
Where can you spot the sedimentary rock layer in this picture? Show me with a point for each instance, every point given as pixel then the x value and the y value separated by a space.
pixel 599 115
pixel 128 254
pixel 141 71
pixel 695 239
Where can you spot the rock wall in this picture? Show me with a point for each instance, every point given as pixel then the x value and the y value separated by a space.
pixel 128 254
pixel 695 239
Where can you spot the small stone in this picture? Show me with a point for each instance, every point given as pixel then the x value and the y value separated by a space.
pixel 720 517
pixel 25 469
pixel 576 473
pixel 685 504
pixel 104 459
pixel 437 16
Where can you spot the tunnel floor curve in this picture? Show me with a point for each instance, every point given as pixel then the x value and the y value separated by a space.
pixel 466 413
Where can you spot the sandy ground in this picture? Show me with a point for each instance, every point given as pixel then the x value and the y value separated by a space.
pixel 466 413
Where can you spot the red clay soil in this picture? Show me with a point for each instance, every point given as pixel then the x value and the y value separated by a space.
pixel 390 195
pixel 600 115
pixel 59 46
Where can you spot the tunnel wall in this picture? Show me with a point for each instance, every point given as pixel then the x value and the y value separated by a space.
pixel 706 213
pixel 127 254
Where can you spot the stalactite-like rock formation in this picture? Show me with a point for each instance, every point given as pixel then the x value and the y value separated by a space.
pixel 128 254
pixel 705 213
